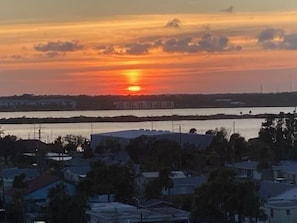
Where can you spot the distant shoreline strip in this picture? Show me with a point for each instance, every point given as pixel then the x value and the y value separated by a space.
pixel 130 118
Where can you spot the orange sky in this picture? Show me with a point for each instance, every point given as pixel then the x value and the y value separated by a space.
pixel 151 54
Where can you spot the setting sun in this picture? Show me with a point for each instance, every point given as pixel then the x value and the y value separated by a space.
pixel 133 78
pixel 134 88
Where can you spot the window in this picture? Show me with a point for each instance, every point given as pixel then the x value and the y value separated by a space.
pixel 288 212
pixel 271 212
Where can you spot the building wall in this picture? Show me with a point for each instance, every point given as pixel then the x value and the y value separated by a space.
pixel 282 215
pixel 199 141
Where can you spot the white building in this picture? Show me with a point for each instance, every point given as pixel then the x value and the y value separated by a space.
pixel 200 141
pixel 282 208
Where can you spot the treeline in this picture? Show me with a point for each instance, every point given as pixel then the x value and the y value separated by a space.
pixel 129 118
pixel 28 102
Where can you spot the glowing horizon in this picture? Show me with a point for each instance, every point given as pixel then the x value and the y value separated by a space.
pixel 151 54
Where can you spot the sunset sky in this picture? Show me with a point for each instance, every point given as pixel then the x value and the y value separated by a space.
pixel 97 47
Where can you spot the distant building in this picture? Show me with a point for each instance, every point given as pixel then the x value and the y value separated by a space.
pixel 37 103
pixel 128 105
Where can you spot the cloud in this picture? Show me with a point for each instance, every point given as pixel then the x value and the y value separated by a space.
pixel 277 39
pixel 178 44
pixel 127 49
pixel 289 42
pixel 138 48
pixel 269 44
pixel 182 45
pixel 174 23
pixel 59 46
pixel 207 42
pixel 108 50
pixel 270 34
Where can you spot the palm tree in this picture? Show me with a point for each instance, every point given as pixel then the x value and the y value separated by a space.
pixel 193 130
pixel 165 180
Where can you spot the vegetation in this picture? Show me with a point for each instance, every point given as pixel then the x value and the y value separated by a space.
pixel 276 141
pixel 154 188
pixel 103 179
pixel 224 199
pixel 65 207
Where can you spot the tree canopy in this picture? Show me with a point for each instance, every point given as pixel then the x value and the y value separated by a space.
pixel 65 207
pixel 103 179
pixel 225 198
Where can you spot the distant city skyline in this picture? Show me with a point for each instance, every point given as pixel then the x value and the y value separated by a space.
pixel 100 47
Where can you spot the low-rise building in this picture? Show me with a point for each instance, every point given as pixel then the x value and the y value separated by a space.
pixel 123 213
pixel 246 169
pixel 199 141
pixel 283 207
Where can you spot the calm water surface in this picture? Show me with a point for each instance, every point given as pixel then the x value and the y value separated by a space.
pixel 48 132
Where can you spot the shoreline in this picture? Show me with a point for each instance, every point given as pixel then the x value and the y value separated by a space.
pixel 131 118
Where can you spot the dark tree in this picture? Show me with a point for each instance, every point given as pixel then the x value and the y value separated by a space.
pixel 7 147
pixel 19 181
pixel 64 207
pixel 217 151
pixel 237 148
pixel 193 130
pixel 153 154
pixel 163 182
pixel 223 197
pixel 102 179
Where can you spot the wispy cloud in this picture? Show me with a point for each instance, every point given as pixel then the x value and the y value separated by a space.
pixel 59 46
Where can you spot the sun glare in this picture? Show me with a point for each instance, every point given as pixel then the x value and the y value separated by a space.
pixel 134 88
pixel 133 78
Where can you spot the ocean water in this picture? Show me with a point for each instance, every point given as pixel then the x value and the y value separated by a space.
pixel 248 128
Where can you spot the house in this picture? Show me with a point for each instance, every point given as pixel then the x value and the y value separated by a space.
pixel 283 207
pixel 282 211
pixel 122 213
pixel 7 175
pixel 287 170
pixel 36 193
pixel 153 203
pixel 270 189
pixel 246 169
